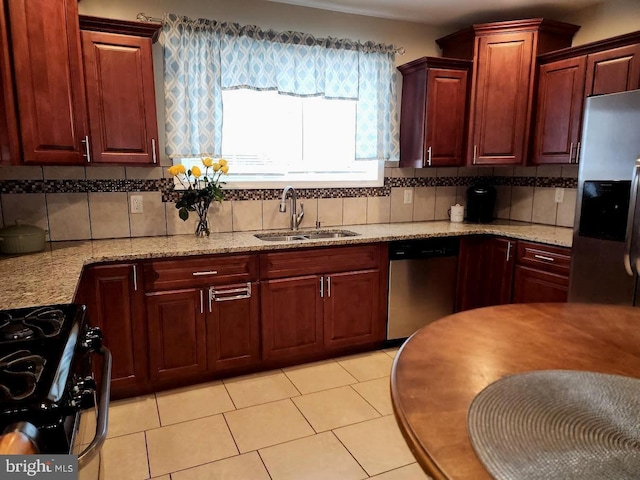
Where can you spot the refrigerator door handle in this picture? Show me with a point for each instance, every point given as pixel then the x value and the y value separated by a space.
pixel 631 243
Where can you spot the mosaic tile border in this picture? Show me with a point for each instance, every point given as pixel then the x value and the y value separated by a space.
pixel 165 186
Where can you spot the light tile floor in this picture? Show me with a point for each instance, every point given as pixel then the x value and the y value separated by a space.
pixel 329 420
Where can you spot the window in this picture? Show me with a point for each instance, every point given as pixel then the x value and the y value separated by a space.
pixel 272 140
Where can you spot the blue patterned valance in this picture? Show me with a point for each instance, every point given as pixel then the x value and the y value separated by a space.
pixel 203 57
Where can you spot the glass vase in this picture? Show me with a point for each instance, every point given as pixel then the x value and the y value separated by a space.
pixel 202 228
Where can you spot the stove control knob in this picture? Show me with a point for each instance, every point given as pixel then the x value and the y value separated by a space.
pixel 87 383
pixel 83 399
pixel 93 339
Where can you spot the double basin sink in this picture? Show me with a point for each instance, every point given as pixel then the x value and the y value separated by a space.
pixel 293 236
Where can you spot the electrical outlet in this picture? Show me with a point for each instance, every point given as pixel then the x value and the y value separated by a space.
pixel 136 204
pixel 408 197
pixel 559 195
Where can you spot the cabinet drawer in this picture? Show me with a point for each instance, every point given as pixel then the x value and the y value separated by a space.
pixel 544 257
pixel 200 271
pixel 321 260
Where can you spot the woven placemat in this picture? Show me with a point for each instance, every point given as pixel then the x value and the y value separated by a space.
pixel 558 424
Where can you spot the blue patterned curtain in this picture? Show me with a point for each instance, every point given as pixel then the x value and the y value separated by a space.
pixel 203 57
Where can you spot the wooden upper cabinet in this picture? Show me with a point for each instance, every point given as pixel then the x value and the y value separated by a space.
pixel 613 71
pixel 559 111
pixel 120 91
pixel 49 82
pixel 434 103
pixel 566 78
pixel 501 101
pixel 503 80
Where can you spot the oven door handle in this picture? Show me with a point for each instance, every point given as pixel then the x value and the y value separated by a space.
pixel 102 420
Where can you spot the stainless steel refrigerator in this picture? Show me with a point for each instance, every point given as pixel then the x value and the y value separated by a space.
pixel 606 237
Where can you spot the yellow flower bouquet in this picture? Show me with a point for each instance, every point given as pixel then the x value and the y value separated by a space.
pixel 200 190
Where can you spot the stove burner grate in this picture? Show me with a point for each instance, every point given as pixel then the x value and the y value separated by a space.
pixel 44 322
pixel 19 375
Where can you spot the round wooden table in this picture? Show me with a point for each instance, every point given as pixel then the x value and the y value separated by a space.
pixel 440 369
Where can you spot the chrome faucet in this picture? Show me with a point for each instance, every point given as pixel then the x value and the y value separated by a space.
pixel 296 218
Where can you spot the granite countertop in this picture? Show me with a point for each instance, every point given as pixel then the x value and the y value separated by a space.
pixel 52 276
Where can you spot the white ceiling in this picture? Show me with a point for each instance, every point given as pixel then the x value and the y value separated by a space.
pixel 448 12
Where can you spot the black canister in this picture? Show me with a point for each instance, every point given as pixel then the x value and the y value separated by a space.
pixel 481 202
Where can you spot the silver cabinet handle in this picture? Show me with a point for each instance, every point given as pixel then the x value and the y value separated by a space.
pixel 429 150
pixel 153 150
pixel 87 148
pixel 629 241
pixel 475 153
pixel 201 301
pixel 329 287
pixel 542 257
pixel 508 251
pixel 321 287
pixel 202 274
pixel 135 278
pixel 578 152
pixel 210 299
pixel 222 294
pixel 571 153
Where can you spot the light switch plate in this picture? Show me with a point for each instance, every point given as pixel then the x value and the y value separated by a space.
pixel 136 204
pixel 559 195
pixel 408 197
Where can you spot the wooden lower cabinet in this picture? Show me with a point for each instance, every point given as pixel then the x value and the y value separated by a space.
pixel 307 316
pixel 292 317
pixel 485 272
pixel 233 327
pixel 542 273
pixel 177 333
pixel 193 332
pixel 532 285
pixel 351 309
pixel 115 303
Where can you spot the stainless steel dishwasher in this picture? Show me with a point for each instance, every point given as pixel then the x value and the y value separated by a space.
pixel 422 283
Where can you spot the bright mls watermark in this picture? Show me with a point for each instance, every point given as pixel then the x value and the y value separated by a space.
pixel 46 467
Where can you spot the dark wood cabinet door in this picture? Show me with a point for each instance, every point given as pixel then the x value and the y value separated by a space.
pixel 233 327
pixel 351 309
pixel 177 333
pixel 500 104
pixel 292 317
pixel 612 71
pixel 120 97
pixel 432 117
pixel 485 272
pixel 446 108
pixel 501 254
pixel 469 292
pixel 116 305
pixel 45 42
pixel 9 139
pixel 532 285
pixel 412 117
pixel 559 111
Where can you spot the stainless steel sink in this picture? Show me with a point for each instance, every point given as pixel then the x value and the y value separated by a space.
pixel 330 234
pixel 268 237
pixel 312 235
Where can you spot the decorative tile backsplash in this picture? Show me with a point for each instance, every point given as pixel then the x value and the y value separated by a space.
pixel 75 203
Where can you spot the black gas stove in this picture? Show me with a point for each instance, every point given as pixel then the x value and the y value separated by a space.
pixel 46 376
